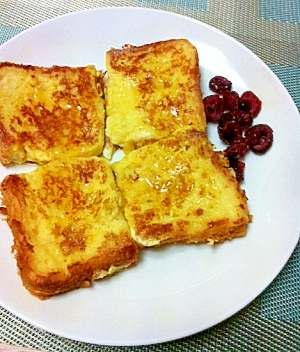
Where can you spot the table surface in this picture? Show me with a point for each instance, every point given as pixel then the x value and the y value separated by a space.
pixel 271 29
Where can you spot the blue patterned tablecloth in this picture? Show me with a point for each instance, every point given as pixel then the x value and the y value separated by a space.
pixel 271 29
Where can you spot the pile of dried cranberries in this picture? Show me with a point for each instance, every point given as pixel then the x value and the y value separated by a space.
pixel 234 116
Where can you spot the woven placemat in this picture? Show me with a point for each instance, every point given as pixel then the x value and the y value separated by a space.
pixel 271 29
pixel 247 331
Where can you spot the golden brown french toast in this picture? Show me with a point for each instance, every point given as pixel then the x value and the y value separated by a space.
pixel 152 91
pixel 50 113
pixel 179 189
pixel 68 226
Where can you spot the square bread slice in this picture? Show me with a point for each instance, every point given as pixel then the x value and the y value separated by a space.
pixel 68 225
pixel 50 113
pixel 152 91
pixel 179 189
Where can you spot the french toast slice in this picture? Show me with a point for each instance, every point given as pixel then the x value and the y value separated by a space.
pixel 152 91
pixel 68 225
pixel 50 113
pixel 179 189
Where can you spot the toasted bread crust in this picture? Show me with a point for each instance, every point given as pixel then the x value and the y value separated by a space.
pixel 50 113
pixel 153 90
pixel 63 244
pixel 186 192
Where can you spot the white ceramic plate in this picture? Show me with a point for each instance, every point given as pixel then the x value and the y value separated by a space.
pixel 178 290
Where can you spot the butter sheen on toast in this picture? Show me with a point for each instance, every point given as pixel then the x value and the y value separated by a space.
pixel 180 190
pixel 68 226
pixel 153 90
pixel 50 113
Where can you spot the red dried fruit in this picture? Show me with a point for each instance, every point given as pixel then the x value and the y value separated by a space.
pixel 231 100
pixel 228 116
pixel 260 138
pixel 229 131
pixel 238 148
pixel 234 116
pixel 238 167
pixel 250 104
pixel 219 84
pixel 213 105
pixel 243 118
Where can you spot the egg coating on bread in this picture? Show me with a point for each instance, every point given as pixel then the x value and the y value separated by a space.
pixel 50 113
pixel 68 226
pixel 153 90
pixel 180 190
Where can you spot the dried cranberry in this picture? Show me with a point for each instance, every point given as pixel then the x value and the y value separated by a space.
pixel 250 103
pixel 238 148
pixel 234 116
pixel 226 116
pixel 229 131
pixel 238 167
pixel 244 118
pixel 260 138
pixel 219 84
pixel 231 100
pixel 213 105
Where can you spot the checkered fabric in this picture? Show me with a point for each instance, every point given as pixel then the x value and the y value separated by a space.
pixel 271 29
